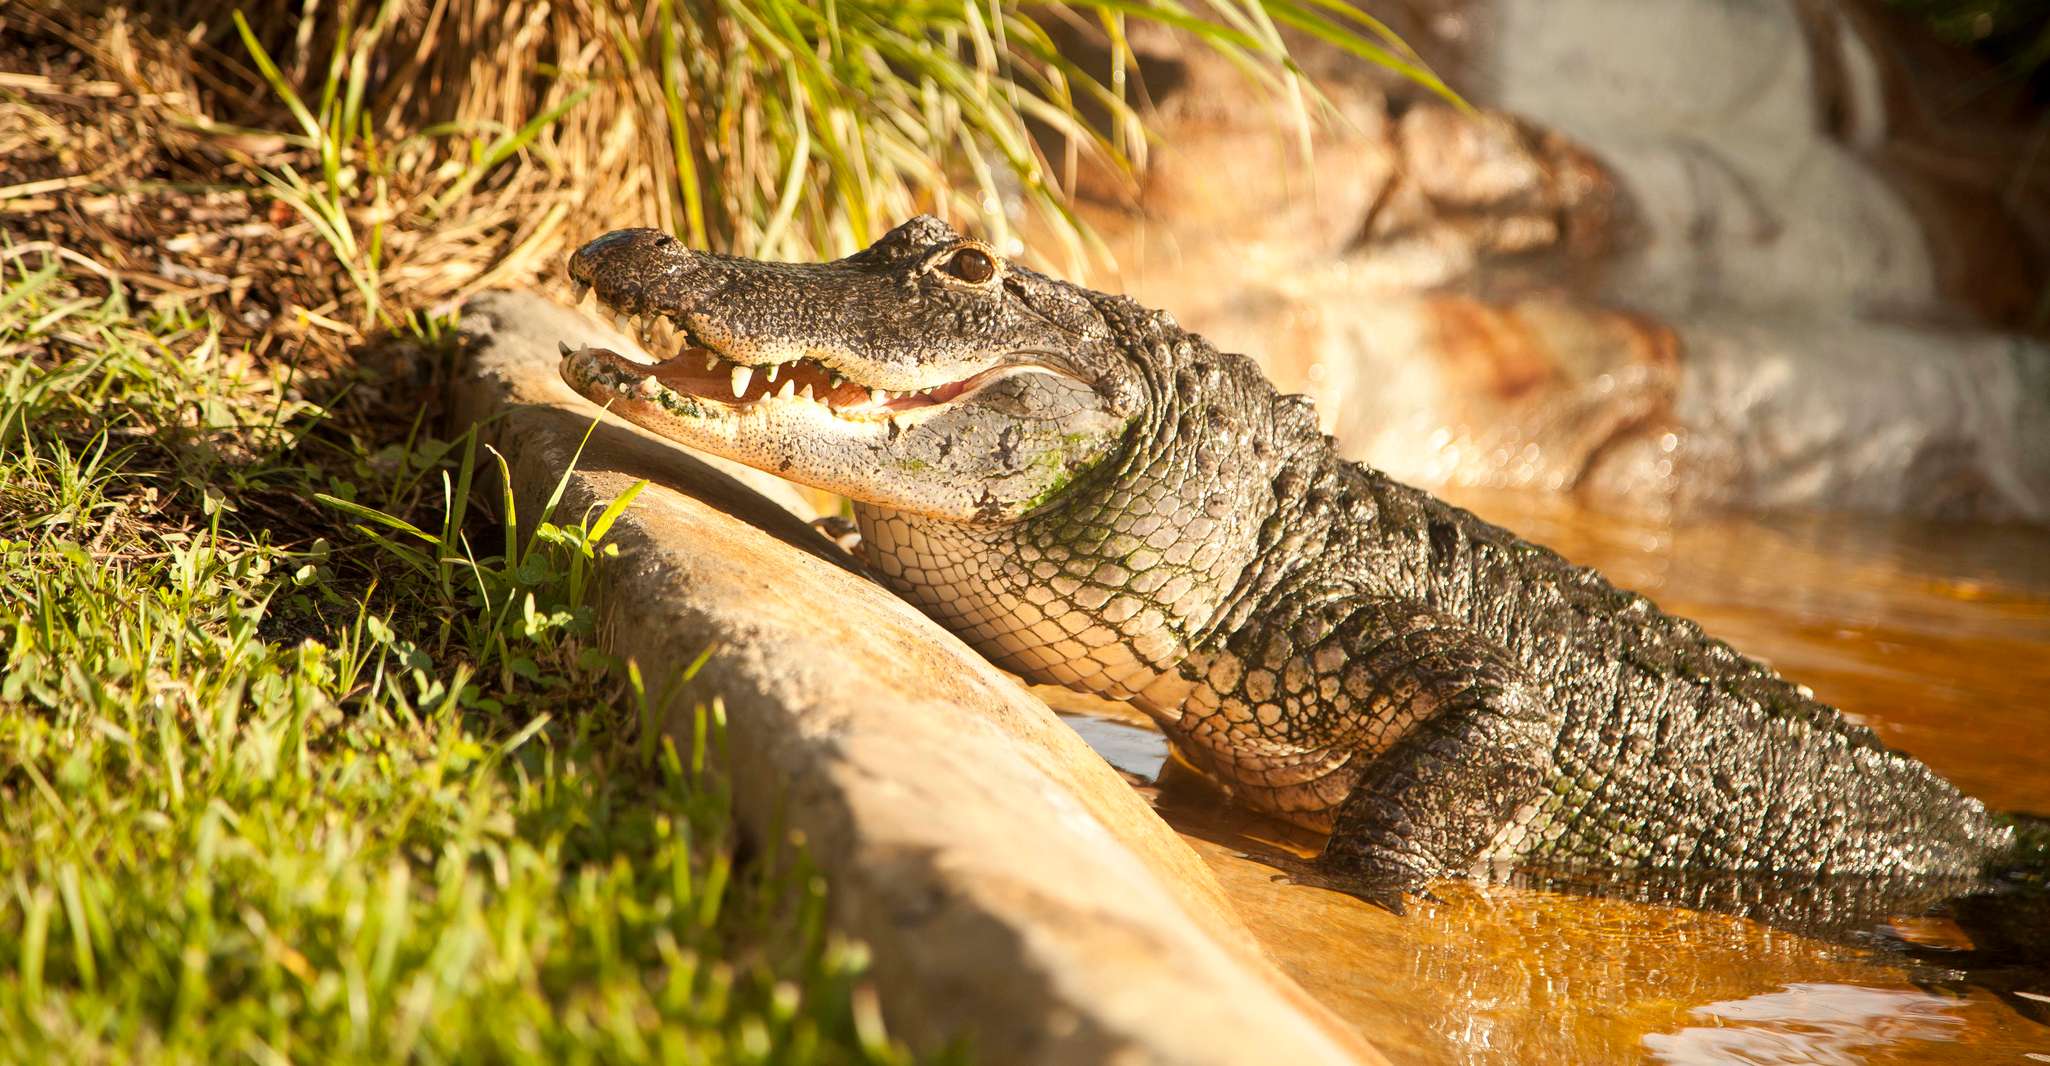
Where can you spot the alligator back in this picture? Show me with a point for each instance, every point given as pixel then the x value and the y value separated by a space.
pixel 1674 748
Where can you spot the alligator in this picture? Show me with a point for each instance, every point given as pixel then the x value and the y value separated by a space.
pixel 1092 496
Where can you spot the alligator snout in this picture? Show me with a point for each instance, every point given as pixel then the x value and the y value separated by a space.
pixel 629 266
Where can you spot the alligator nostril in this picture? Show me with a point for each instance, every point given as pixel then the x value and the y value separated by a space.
pixel 618 236
pixel 586 261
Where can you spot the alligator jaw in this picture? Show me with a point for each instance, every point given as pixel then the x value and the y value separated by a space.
pixel 692 373
pixel 888 376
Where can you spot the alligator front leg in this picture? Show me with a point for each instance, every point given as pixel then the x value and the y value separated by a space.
pixel 1458 740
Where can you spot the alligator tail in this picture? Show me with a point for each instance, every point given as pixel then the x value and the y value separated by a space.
pixel 2008 922
pixel 2028 861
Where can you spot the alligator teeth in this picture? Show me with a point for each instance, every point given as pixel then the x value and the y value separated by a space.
pixel 878 397
pixel 711 360
pixel 741 376
pixel 789 388
pixel 837 379
pixel 772 371
pixel 661 336
pixel 583 292
pixel 806 392
pixel 622 323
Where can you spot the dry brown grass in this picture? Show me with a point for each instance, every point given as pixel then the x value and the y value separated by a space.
pixel 143 144
pixel 469 145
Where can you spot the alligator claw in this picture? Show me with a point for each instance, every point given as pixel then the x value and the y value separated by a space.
pixel 839 530
pixel 1388 889
pixel 1389 894
pixel 1379 875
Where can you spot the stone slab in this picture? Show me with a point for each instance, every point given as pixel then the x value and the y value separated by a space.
pixel 1014 889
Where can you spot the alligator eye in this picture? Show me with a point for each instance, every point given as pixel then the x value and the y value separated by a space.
pixel 972 265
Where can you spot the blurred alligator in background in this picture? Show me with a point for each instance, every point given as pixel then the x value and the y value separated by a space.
pixel 1094 497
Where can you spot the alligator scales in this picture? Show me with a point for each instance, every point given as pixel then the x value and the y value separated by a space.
pixel 1094 497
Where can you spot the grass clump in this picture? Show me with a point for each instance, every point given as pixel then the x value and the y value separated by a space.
pixel 269 799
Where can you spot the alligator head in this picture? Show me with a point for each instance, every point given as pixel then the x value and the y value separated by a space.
pixel 924 373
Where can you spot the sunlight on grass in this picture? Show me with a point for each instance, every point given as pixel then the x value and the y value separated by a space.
pixel 267 798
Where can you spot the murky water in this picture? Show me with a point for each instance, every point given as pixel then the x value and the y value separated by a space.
pixel 1938 637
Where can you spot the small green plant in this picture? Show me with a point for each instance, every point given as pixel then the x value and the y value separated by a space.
pixel 2014 32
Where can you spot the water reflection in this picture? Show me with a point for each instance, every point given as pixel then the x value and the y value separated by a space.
pixel 1820 1024
pixel 1938 637
pixel 1507 973
pixel 1138 751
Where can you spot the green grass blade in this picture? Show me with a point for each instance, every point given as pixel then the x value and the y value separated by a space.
pixel 276 80
pixel 373 515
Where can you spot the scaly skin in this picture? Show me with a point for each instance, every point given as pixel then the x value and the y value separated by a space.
pixel 1111 504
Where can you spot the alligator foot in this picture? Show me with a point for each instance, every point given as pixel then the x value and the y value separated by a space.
pixel 840 530
pixel 1384 877
pixel 1386 890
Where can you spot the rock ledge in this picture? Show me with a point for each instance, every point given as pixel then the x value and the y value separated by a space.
pixel 1015 890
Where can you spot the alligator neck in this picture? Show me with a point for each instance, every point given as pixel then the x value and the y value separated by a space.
pixel 1065 610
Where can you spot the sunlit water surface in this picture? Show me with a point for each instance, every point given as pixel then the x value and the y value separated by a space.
pixel 1936 636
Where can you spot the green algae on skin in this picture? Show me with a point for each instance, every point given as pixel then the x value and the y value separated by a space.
pixel 680 404
pixel 1068 471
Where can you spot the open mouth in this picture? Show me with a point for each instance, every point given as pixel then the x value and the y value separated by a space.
pixel 691 366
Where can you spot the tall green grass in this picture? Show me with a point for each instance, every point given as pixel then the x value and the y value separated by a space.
pixel 772 128
pixel 799 127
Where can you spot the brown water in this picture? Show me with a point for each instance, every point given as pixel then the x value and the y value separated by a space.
pixel 1938 637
